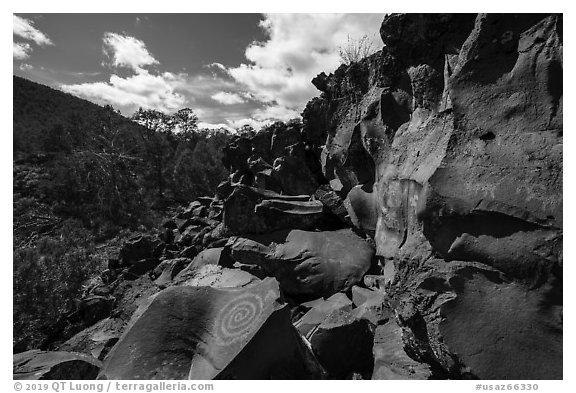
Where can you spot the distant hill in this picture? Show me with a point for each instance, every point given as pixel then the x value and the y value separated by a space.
pixel 39 109
pixel 87 146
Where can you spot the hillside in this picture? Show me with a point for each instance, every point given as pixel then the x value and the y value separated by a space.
pixel 85 177
pixel 39 109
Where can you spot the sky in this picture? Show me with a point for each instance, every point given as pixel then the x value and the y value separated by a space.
pixel 230 69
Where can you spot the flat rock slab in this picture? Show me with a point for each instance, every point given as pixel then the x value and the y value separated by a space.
pixel 196 333
pixel 250 210
pixel 320 310
pixel 42 365
pixel 217 277
pixel 97 339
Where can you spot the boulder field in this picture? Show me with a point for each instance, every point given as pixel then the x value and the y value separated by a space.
pixel 410 227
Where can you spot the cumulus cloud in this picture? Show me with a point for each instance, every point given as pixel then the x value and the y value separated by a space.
pixel 126 51
pixel 275 112
pixel 256 124
pixel 25 67
pixel 146 89
pixel 299 46
pixel 140 90
pixel 227 98
pixel 212 126
pixel 24 28
pixel 21 50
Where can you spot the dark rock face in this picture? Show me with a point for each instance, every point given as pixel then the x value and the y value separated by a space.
pixel 138 248
pixel 320 310
pixel 448 143
pixel 343 344
pixel 249 210
pixel 390 358
pixel 97 340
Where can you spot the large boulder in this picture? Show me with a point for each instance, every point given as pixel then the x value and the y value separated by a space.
pixel 215 276
pixel 137 248
pixel 310 263
pixel 249 210
pixel 390 358
pixel 42 365
pixel 165 272
pixel 188 332
pixel 343 344
pixel 96 340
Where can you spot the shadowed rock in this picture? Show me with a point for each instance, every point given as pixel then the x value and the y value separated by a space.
pixel 515 332
pixel 343 344
pixel 320 311
pixel 168 269
pixel 248 210
pixel 391 360
pixel 96 340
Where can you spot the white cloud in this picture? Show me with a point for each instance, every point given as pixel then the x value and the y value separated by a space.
pixel 25 29
pixel 227 98
pixel 21 50
pixel 212 126
pixel 140 90
pixel 25 67
pixel 126 51
pixel 256 124
pixel 299 47
pixel 146 89
pixel 275 112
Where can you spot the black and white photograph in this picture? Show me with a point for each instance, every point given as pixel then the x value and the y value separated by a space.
pixel 287 196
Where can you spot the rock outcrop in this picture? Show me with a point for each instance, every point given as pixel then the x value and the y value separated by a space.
pixel 452 134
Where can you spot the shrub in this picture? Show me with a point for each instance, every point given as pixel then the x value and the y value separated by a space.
pixel 48 276
pixel 356 49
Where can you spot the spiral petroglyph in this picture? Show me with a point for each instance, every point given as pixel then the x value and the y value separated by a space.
pixel 239 317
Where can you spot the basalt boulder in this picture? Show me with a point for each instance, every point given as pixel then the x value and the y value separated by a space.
pixel 249 210
pixel 447 144
pixel 203 333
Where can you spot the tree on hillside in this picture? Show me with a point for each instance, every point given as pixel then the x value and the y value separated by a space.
pixel 98 176
pixel 185 160
pixel 246 130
